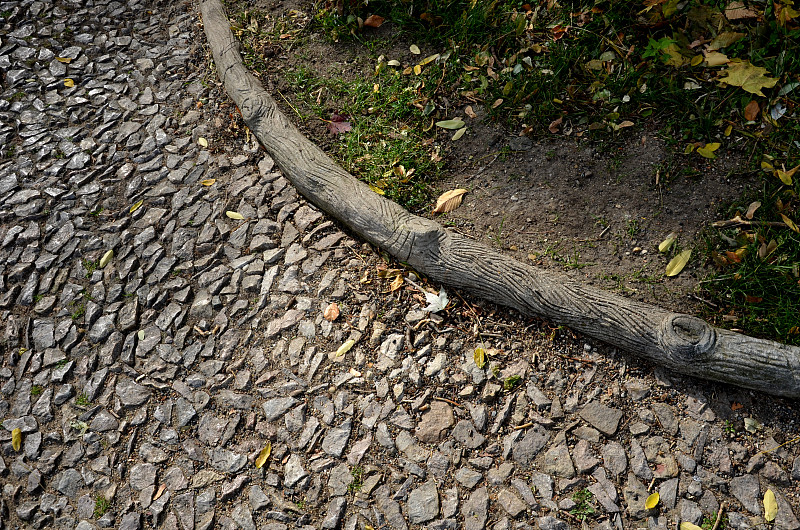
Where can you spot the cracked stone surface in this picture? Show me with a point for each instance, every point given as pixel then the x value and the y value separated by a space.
pixel 155 381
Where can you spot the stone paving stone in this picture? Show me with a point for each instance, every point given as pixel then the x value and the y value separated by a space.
pixel 159 378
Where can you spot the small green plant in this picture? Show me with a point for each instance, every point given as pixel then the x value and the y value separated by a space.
pixel 301 504
pixel 36 390
pixel 90 266
pixel 583 504
pixel 729 427
pixel 82 400
pixel 632 227
pixel 497 237
pixel 79 311
pixel 97 212
pixel 358 480
pixel 710 521
pixel 37 297
pixel 658 49
pixel 62 362
pixel 101 506
pixel 511 382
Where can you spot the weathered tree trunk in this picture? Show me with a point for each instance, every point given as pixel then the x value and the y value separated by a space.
pixel 680 342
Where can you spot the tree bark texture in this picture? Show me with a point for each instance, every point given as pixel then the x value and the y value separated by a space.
pixel 679 342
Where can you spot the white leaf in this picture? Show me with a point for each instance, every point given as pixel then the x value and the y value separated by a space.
pixel 436 302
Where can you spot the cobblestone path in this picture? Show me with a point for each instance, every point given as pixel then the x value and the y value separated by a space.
pixel 143 389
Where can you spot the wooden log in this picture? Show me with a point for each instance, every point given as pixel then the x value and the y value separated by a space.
pixel 682 343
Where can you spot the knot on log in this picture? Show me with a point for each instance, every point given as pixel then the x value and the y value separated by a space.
pixel 686 338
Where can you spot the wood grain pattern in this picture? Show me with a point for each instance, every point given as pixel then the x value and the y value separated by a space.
pixel 682 343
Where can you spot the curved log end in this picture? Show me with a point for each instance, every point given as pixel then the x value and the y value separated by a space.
pixel 686 339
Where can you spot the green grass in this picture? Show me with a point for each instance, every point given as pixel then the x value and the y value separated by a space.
pixel 90 266
pixel 387 146
pixel 101 506
pixel 756 282
pixel 82 400
pixel 358 480
pixel 583 504
pixel 709 522
pixel 79 311
pixel 36 390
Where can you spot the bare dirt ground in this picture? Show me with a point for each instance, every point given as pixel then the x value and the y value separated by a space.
pixel 592 209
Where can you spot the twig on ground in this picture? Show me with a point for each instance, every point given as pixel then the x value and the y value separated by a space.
pixel 455 404
pixel 738 221
pixel 481 170
pixel 709 302
pixel 719 515
pixel 578 359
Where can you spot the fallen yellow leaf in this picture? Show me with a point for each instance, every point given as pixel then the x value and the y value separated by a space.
pixel 234 215
pixel 707 151
pixel 208 182
pixel 652 501
pixel 751 78
pixel 788 222
pixel 106 258
pixel 668 242
pixel 16 439
pixel 263 455
pixel 770 506
pixel 676 264
pixel 344 348
pixel 479 357
pixel 136 206
pixel 786 176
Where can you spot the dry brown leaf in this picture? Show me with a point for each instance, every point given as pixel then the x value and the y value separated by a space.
pixel 751 210
pixel 449 201
pixel 737 11
pixel 374 21
pixel 555 124
pixel 396 283
pixel 160 492
pixel 714 58
pixel 469 112
pixel 331 312
pixel 751 111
